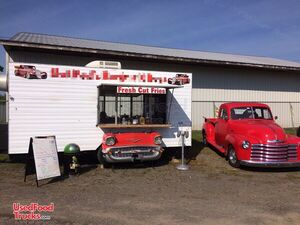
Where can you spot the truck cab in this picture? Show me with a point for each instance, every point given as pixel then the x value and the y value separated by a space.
pixel 247 134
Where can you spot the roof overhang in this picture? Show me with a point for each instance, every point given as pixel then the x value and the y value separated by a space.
pixel 152 57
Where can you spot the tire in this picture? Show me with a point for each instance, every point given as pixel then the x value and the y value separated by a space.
pixel 204 139
pixel 101 159
pixel 298 132
pixel 232 158
pixel 27 76
pixel 181 82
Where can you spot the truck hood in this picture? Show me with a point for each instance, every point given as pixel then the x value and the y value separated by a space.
pixel 261 131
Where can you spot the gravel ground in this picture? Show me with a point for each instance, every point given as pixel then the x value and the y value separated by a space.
pixel 211 192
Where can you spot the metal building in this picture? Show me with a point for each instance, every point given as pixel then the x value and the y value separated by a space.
pixel 217 77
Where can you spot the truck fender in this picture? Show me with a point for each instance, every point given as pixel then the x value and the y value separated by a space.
pixel 231 140
pixel 209 130
pixel 236 140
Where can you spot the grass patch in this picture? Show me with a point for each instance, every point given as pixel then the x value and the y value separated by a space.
pixel 197 141
pixel 197 135
pixel 292 131
pixel 4 158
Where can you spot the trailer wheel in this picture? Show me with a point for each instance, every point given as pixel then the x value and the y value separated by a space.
pixel 232 158
pixel 298 132
pixel 101 159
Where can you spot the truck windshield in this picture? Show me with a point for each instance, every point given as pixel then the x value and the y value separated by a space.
pixel 250 113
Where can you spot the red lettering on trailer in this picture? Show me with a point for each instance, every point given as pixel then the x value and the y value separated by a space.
pixel 105 75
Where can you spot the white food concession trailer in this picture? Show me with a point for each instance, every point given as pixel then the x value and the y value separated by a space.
pixel 124 113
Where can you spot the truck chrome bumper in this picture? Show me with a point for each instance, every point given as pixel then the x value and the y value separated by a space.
pixel 269 164
pixel 133 155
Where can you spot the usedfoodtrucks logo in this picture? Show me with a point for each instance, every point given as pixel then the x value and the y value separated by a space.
pixel 33 211
pixel 31 72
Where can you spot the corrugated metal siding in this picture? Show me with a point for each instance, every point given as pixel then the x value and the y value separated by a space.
pixel 210 84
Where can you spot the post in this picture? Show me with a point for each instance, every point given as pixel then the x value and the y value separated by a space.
pixel 183 166
pixel 116 108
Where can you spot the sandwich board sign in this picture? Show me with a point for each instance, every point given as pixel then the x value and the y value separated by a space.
pixel 44 151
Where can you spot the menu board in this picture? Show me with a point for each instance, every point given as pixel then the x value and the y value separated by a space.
pixel 45 157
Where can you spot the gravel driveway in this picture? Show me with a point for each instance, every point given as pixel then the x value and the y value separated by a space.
pixel 210 193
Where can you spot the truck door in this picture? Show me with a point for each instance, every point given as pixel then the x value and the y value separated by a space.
pixel 221 127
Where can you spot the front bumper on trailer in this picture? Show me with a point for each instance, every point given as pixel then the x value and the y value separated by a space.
pixel 269 164
pixel 133 153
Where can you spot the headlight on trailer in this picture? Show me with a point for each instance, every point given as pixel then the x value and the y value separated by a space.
pixel 158 140
pixel 245 145
pixel 110 141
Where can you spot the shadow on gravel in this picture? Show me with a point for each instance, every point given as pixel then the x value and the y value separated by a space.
pixel 216 151
pixel 276 170
pixel 89 161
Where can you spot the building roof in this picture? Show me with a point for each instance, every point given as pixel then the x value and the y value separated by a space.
pixel 44 41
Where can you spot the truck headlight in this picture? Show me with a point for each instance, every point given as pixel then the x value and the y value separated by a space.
pixel 158 140
pixel 110 141
pixel 245 144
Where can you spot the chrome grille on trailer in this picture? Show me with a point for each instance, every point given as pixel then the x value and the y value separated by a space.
pixel 130 151
pixel 273 152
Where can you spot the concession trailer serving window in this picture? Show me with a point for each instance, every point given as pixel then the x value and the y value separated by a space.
pixel 132 106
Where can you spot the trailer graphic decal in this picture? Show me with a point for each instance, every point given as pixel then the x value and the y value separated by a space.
pixel 29 72
pixel 140 90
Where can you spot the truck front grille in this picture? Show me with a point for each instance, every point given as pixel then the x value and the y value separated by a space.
pixel 273 152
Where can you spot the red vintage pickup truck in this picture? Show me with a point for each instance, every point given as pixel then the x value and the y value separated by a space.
pixel 247 134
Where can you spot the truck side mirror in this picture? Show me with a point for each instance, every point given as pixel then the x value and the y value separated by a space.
pixel 276 117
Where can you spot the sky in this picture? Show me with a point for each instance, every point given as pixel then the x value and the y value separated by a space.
pixel 258 27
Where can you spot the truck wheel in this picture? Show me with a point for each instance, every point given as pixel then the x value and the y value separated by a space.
pixel 298 132
pixel 232 158
pixel 101 159
pixel 204 139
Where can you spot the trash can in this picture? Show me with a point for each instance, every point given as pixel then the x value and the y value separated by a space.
pixel 71 163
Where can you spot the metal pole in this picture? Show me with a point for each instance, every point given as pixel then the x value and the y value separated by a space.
pixel 182 166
